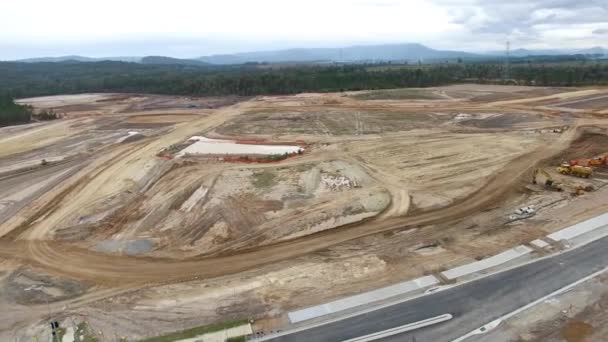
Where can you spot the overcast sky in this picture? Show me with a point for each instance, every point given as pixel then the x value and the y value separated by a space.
pixel 191 28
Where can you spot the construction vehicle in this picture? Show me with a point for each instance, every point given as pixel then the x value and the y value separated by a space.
pixel 595 162
pixel 582 189
pixel 599 161
pixel 575 170
pixel 549 183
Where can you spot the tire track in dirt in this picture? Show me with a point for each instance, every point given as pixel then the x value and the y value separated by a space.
pixel 118 270
pixel 113 167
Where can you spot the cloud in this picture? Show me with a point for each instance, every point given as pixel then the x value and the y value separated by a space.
pixel 529 21
pixel 600 31
pixel 189 28
pixel 499 16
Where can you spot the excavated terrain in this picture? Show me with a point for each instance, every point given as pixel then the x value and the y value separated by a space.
pixel 101 214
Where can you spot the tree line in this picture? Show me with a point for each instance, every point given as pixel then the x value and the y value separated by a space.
pixel 37 79
pixel 12 113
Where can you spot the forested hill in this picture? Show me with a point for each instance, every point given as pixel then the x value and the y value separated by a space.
pixel 34 79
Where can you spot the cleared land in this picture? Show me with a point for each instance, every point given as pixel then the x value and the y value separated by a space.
pixel 110 216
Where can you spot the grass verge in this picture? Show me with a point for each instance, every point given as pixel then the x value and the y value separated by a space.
pixel 180 335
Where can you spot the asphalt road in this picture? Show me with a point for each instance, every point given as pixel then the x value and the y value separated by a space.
pixel 472 305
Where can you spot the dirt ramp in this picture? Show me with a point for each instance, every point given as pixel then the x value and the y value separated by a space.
pixel 591 142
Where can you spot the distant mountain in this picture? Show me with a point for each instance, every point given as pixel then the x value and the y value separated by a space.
pixel 526 52
pixel 552 52
pixel 597 50
pixel 388 52
pixel 57 59
pixel 78 59
pixel 171 61
pixel 366 53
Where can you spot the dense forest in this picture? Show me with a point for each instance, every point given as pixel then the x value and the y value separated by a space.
pixel 35 79
pixel 12 113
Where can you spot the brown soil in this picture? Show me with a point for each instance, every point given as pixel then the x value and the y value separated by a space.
pixel 576 331
pixel 593 102
pixel 335 122
pixel 502 121
pixel 278 229
pixel 591 142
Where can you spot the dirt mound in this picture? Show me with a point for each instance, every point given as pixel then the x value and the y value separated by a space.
pixel 192 210
pixel 591 142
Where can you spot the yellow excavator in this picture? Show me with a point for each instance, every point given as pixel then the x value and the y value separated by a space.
pixel 549 183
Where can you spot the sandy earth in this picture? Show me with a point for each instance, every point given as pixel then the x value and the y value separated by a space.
pixel 386 190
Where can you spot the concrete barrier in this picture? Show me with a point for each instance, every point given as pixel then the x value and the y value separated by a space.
pixel 580 228
pixel 586 230
pixel 362 299
pixel 493 261
pixel 540 243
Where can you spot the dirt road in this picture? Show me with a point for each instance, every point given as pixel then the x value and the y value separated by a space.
pixel 118 270
pixel 449 172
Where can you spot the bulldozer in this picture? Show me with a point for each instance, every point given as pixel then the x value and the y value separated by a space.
pixel 575 170
pixel 580 190
pixel 549 183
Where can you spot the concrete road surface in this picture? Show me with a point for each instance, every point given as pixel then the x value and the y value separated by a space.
pixel 472 305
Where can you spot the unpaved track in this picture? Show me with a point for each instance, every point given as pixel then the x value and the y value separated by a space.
pixel 111 173
pixel 559 96
pixel 42 135
pixel 117 270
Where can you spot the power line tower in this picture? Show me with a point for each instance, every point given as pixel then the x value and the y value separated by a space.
pixel 507 71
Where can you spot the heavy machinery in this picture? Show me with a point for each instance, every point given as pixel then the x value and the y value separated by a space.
pixel 597 161
pixel 575 170
pixel 582 189
pixel 549 183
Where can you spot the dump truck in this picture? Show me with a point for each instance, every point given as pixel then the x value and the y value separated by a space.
pixel 549 183
pixel 575 170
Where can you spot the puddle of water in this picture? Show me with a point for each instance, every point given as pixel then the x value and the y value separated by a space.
pixel 131 247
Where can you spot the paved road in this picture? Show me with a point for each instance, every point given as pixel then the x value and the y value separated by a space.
pixel 472 305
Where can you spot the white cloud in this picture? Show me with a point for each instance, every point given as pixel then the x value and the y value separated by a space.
pixel 70 19
pixel 195 27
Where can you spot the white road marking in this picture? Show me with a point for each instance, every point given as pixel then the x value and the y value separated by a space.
pixel 536 302
pixel 402 329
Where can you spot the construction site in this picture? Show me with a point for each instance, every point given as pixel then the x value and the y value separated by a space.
pixel 143 215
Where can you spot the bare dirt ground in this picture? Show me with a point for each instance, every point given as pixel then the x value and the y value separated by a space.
pixel 103 225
